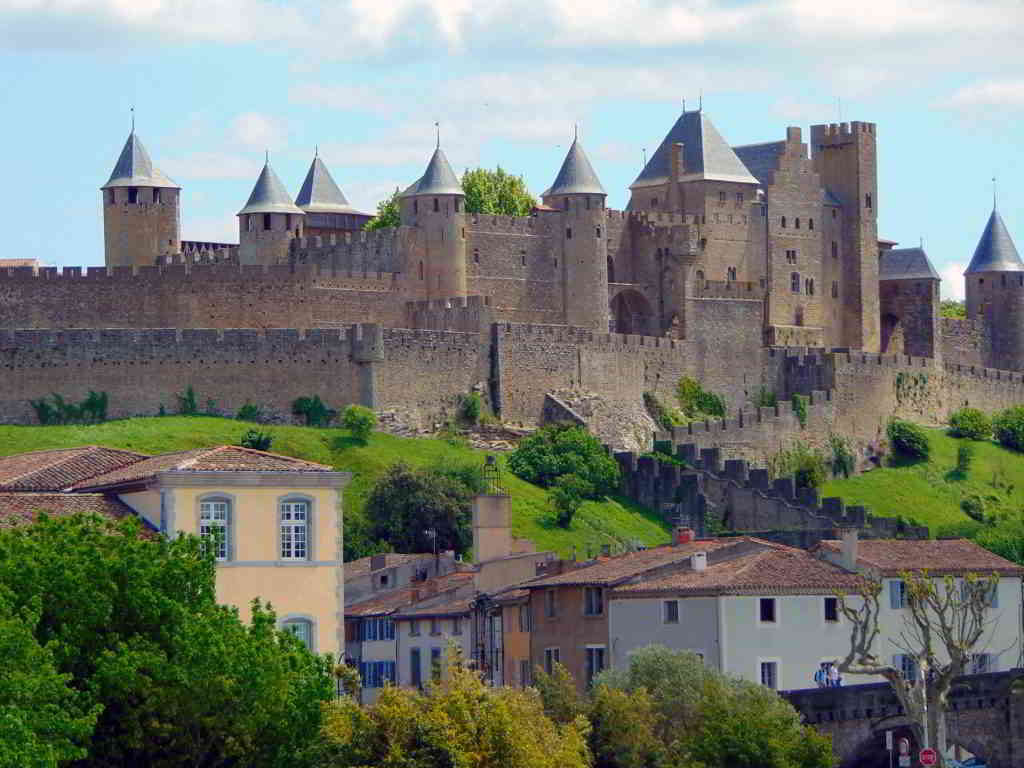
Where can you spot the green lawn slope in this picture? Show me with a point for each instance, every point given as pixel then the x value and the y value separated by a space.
pixel 614 521
pixel 930 492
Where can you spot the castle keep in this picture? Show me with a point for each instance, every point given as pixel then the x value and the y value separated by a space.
pixel 750 267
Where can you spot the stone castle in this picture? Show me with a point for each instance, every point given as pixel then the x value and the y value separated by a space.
pixel 750 268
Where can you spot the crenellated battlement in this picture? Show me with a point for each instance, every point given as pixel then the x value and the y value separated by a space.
pixel 532 332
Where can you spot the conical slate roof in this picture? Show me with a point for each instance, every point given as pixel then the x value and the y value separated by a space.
pixel 320 193
pixel 576 176
pixel 269 195
pixel 438 179
pixel 135 169
pixel 996 251
pixel 706 155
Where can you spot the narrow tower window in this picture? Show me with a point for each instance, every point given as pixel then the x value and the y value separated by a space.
pixel 783 222
pixel 133 195
pixel 796 223
pixel 835 250
pixel 810 223
pixel 476 255
pixel 597 231
pixel 568 233
pixel 437 206
pixel 835 290
pixel 421 270
pixel 867 201
pixel 156 194
pixel 111 198
pixel 794 282
pixel 266 222
pixel 588 202
pixel 566 203
pixel 456 205
pixel 415 206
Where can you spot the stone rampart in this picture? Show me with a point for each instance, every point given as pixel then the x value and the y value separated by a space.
pixel 964 341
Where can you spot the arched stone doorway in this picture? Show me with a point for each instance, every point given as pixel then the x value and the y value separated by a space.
pixel 631 313
pixel 892 335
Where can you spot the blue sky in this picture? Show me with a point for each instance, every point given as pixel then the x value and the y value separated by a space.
pixel 215 83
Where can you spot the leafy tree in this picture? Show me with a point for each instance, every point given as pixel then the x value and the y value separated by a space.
pixel 496 192
pixel 314 411
pixel 568 495
pixel 970 423
pixel 1008 427
pixel 944 619
pixel 360 421
pixel 696 401
pixel 622 729
pixel 43 721
pixel 459 721
pixel 565 449
pixel 703 717
pixel 558 694
pixel 132 622
pixel 951 308
pixel 909 439
pixel 405 503
pixel 387 214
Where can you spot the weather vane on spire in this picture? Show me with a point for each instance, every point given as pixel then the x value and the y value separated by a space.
pixel 437 125
pixel 995 193
pixel 133 118
pixel 266 157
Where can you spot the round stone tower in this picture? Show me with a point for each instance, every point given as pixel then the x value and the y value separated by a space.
pixel 269 222
pixel 434 206
pixel 994 283
pixel 141 220
pixel 578 195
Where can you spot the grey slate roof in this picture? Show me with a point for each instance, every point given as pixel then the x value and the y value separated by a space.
pixel 320 193
pixel 996 251
pixel 706 155
pixel 761 159
pixel 905 264
pixel 135 169
pixel 438 179
pixel 269 195
pixel 576 176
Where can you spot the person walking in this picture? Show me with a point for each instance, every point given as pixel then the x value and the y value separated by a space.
pixel 820 675
pixel 833 675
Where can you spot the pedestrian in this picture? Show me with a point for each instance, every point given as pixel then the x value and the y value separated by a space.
pixel 833 675
pixel 820 676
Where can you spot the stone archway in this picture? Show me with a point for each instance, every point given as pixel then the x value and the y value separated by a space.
pixel 631 313
pixel 892 335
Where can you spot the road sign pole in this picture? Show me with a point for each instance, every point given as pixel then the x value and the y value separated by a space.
pixel 888 745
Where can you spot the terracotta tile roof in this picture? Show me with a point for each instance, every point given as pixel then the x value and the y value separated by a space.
pixel 60 469
pixel 613 570
pixel 776 570
pixel 939 556
pixel 361 567
pixel 23 508
pixel 454 608
pixel 222 458
pixel 394 599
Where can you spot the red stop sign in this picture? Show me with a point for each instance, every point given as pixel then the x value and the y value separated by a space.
pixel 929 756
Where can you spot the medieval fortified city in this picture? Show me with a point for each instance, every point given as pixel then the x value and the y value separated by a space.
pixel 719 479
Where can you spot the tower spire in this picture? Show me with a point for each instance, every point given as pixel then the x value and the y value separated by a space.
pixel 575 131
pixel 266 157
pixel 437 126
pixel 995 195
pixel 133 118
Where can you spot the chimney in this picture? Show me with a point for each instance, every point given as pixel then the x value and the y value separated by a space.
pixel 683 535
pixel 849 556
pixel 699 560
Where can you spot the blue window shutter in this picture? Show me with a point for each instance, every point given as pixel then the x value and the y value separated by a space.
pixel 895 595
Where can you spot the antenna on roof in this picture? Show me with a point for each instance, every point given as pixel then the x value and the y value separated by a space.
pixel 437 125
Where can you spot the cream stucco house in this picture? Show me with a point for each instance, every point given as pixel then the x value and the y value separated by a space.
pixel 275 522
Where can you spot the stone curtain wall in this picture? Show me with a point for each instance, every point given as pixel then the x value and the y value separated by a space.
pixel 964 341
pixel 196 296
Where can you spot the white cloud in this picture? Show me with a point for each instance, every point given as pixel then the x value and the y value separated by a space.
pixel 211 165
pixel 1005 94
pixel 256 130
pixel 211 229
pixel 953 280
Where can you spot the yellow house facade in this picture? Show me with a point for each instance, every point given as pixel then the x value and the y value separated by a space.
pixel 274 522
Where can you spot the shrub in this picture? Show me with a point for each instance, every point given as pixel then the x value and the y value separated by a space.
pixel 697 401
pixel 908 439
pixel 970 423
pixel 964 454
pixel 92 410
pixel 314 411
pixel 800 409
pixel 843 462
pixel 257 440
pixel 563 449
pixel 568 495
pixel 360 421
pixel 250 412
pixel 663 416
pixel 974 508
pixel 187 405
pixel 470 408
pixel 1009 428
pixel 766 398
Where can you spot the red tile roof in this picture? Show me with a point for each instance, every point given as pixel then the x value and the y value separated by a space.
pixel 394 599
pixel 890 557
pixel 775 570
pixel 453 608
pixel 60 469
pixel 613 570
pixel 361 567
pixel 223 458
pixel 24 508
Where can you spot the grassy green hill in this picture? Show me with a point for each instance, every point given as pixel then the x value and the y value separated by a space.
pixel 931 492
pixel 612 521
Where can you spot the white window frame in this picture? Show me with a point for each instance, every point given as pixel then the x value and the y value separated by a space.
pixel 295 529
pixel 758 676
pixel 775 612
pixel 904 662
pixel 552 656
pixel 664 611
pixel 215 513
pixel 902 588
pixel 588 672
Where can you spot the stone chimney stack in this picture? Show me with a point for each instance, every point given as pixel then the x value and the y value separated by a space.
pixel 492 537
pixel 849 550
